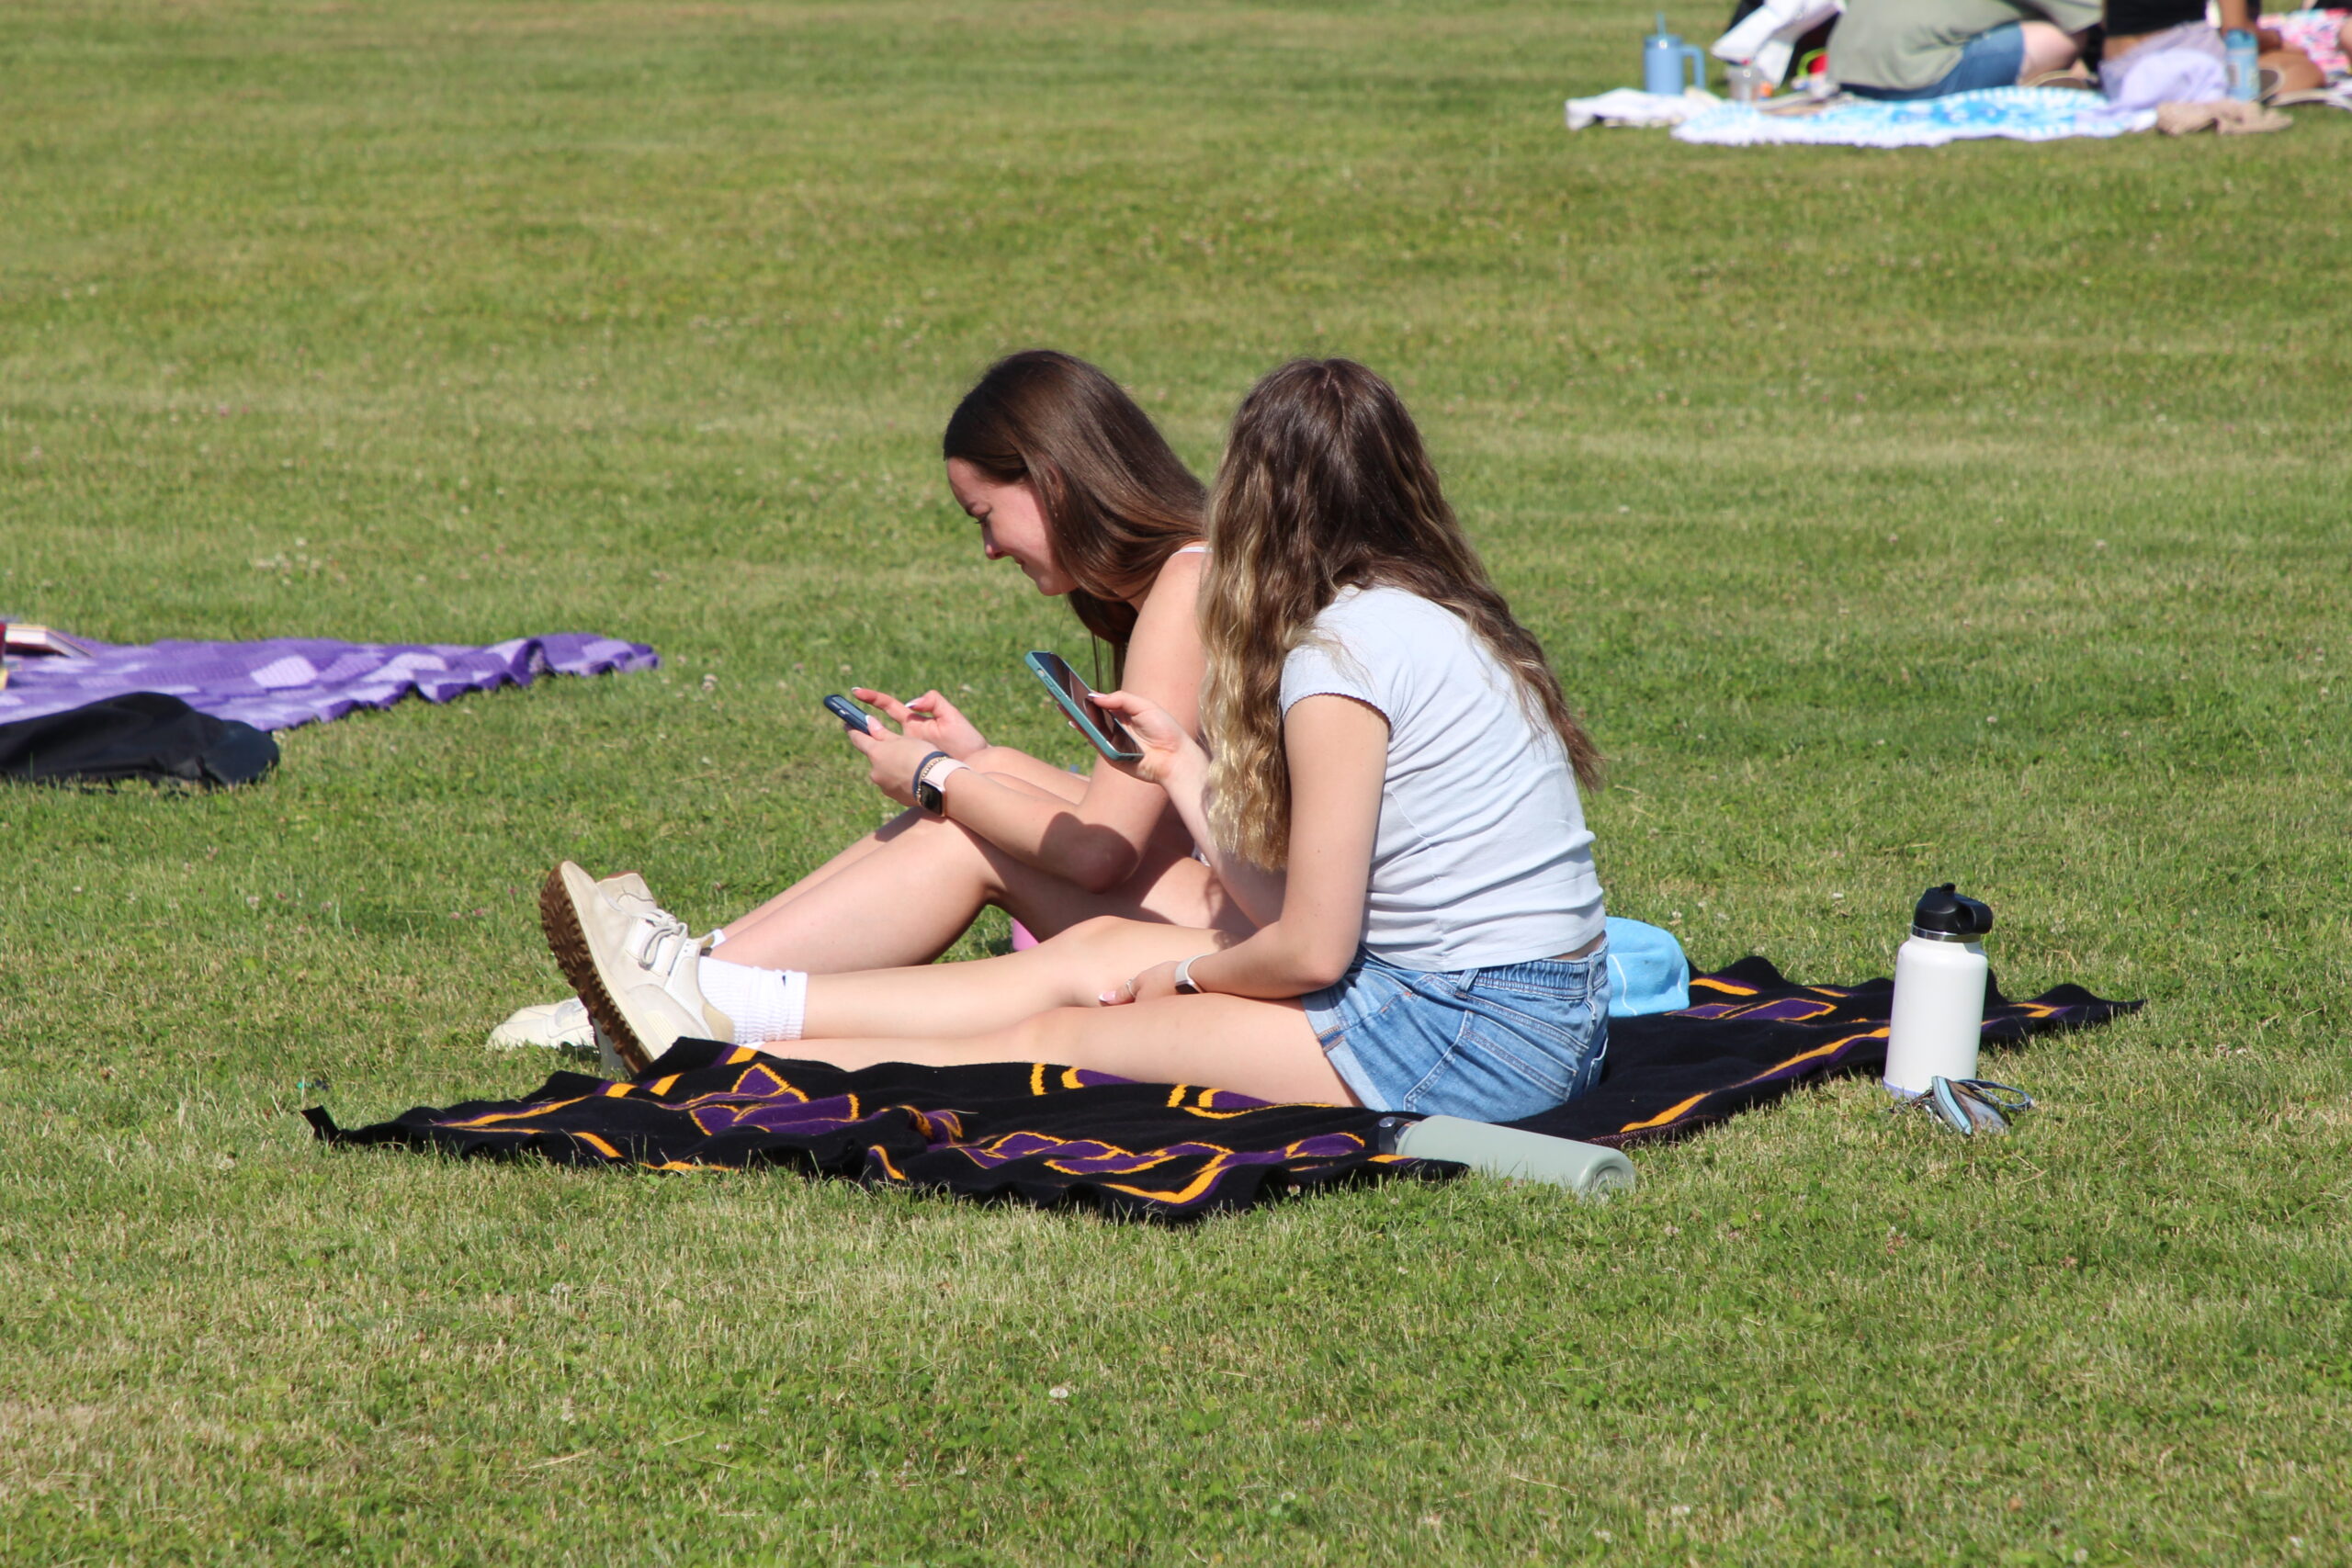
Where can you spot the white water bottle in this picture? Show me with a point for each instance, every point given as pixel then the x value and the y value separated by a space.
pixel 1939 1015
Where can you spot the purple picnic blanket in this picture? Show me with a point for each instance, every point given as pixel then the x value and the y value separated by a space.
pixel 287 681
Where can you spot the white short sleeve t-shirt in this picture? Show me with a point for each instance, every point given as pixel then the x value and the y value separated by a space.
pixel 1483 857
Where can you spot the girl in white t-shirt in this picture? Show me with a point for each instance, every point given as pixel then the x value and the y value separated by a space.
pixel 1392 801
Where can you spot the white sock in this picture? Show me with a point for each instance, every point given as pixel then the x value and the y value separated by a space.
pixel 716 937
pixel 763 1004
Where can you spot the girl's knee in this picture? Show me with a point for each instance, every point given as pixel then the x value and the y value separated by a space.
pixel 939 836
pixel 1097 935
pixel 1053 1036
pixel 1074 967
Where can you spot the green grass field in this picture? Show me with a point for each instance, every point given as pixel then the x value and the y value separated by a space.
pixel 1973 514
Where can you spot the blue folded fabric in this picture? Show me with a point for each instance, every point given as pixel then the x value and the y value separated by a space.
pixel 1647 970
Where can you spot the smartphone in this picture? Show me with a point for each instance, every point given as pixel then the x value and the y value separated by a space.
pixel 1095 722
pixel 849 714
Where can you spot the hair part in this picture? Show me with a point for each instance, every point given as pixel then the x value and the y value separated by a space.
pixel 1116 498
pixel 1326 485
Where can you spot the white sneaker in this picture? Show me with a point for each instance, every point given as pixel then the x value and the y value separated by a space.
pixel 635 971
pixel 554 1026
pixel 565 1026
pixel 629 894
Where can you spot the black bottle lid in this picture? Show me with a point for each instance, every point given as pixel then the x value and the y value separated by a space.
pixel 1944 915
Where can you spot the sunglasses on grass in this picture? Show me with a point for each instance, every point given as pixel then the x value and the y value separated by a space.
pixel 1968 1106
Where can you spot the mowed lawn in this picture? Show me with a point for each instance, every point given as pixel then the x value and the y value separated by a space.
pixel 1975 514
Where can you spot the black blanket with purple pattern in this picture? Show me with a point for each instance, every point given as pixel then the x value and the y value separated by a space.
pixel 1046 1135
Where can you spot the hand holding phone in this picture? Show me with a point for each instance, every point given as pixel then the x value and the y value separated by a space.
pixel 851 715
pixel 1097 723
pixel 1171 758
pixel 929 717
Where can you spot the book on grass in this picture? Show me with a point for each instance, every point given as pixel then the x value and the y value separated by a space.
pixel 35 642
pixel 39 641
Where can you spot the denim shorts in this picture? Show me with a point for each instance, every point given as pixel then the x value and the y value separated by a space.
pixel 1491 1044
pixel 1991 59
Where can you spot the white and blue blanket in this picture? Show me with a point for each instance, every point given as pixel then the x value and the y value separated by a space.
pixel 2018 114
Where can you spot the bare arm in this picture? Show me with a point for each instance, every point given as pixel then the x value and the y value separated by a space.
pixel 1183 774
pixel 1096 842
pixel 1338 755
pixel 1338 759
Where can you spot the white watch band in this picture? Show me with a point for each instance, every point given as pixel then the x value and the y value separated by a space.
pixel 937 774
pixel 1185 983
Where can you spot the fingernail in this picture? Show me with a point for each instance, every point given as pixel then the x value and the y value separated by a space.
pixel 1107 998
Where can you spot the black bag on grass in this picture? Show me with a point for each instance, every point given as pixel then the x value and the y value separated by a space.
pixel 139 735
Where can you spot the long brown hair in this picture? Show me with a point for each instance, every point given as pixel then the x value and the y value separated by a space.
pixel 1325 486
pixel 1117 500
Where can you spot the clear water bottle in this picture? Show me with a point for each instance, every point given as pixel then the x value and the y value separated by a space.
pixel 2245 65
pixel 1939 1015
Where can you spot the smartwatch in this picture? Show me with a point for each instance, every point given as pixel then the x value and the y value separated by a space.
pixel 927 795
pixel 930 779
pixel 1184 985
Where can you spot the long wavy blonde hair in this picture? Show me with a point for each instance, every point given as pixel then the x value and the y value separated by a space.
pixel 1325 486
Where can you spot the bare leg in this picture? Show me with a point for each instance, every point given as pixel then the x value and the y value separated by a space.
pixel 1267 1050
pixel 1020 767
pixel 905 901
pixel 903 893
pixel 1017 768
pixel 840 862
pixel 2047 48
pixel 1071 970
pixel 2296 71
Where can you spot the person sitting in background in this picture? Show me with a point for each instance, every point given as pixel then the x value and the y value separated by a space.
pixel 1902 49
pixel 2307 49
pixel 2163 51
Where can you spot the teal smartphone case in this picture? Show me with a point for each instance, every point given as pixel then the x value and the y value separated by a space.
pixel 1076 711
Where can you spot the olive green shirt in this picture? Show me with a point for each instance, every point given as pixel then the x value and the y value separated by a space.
pixel 1900 46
